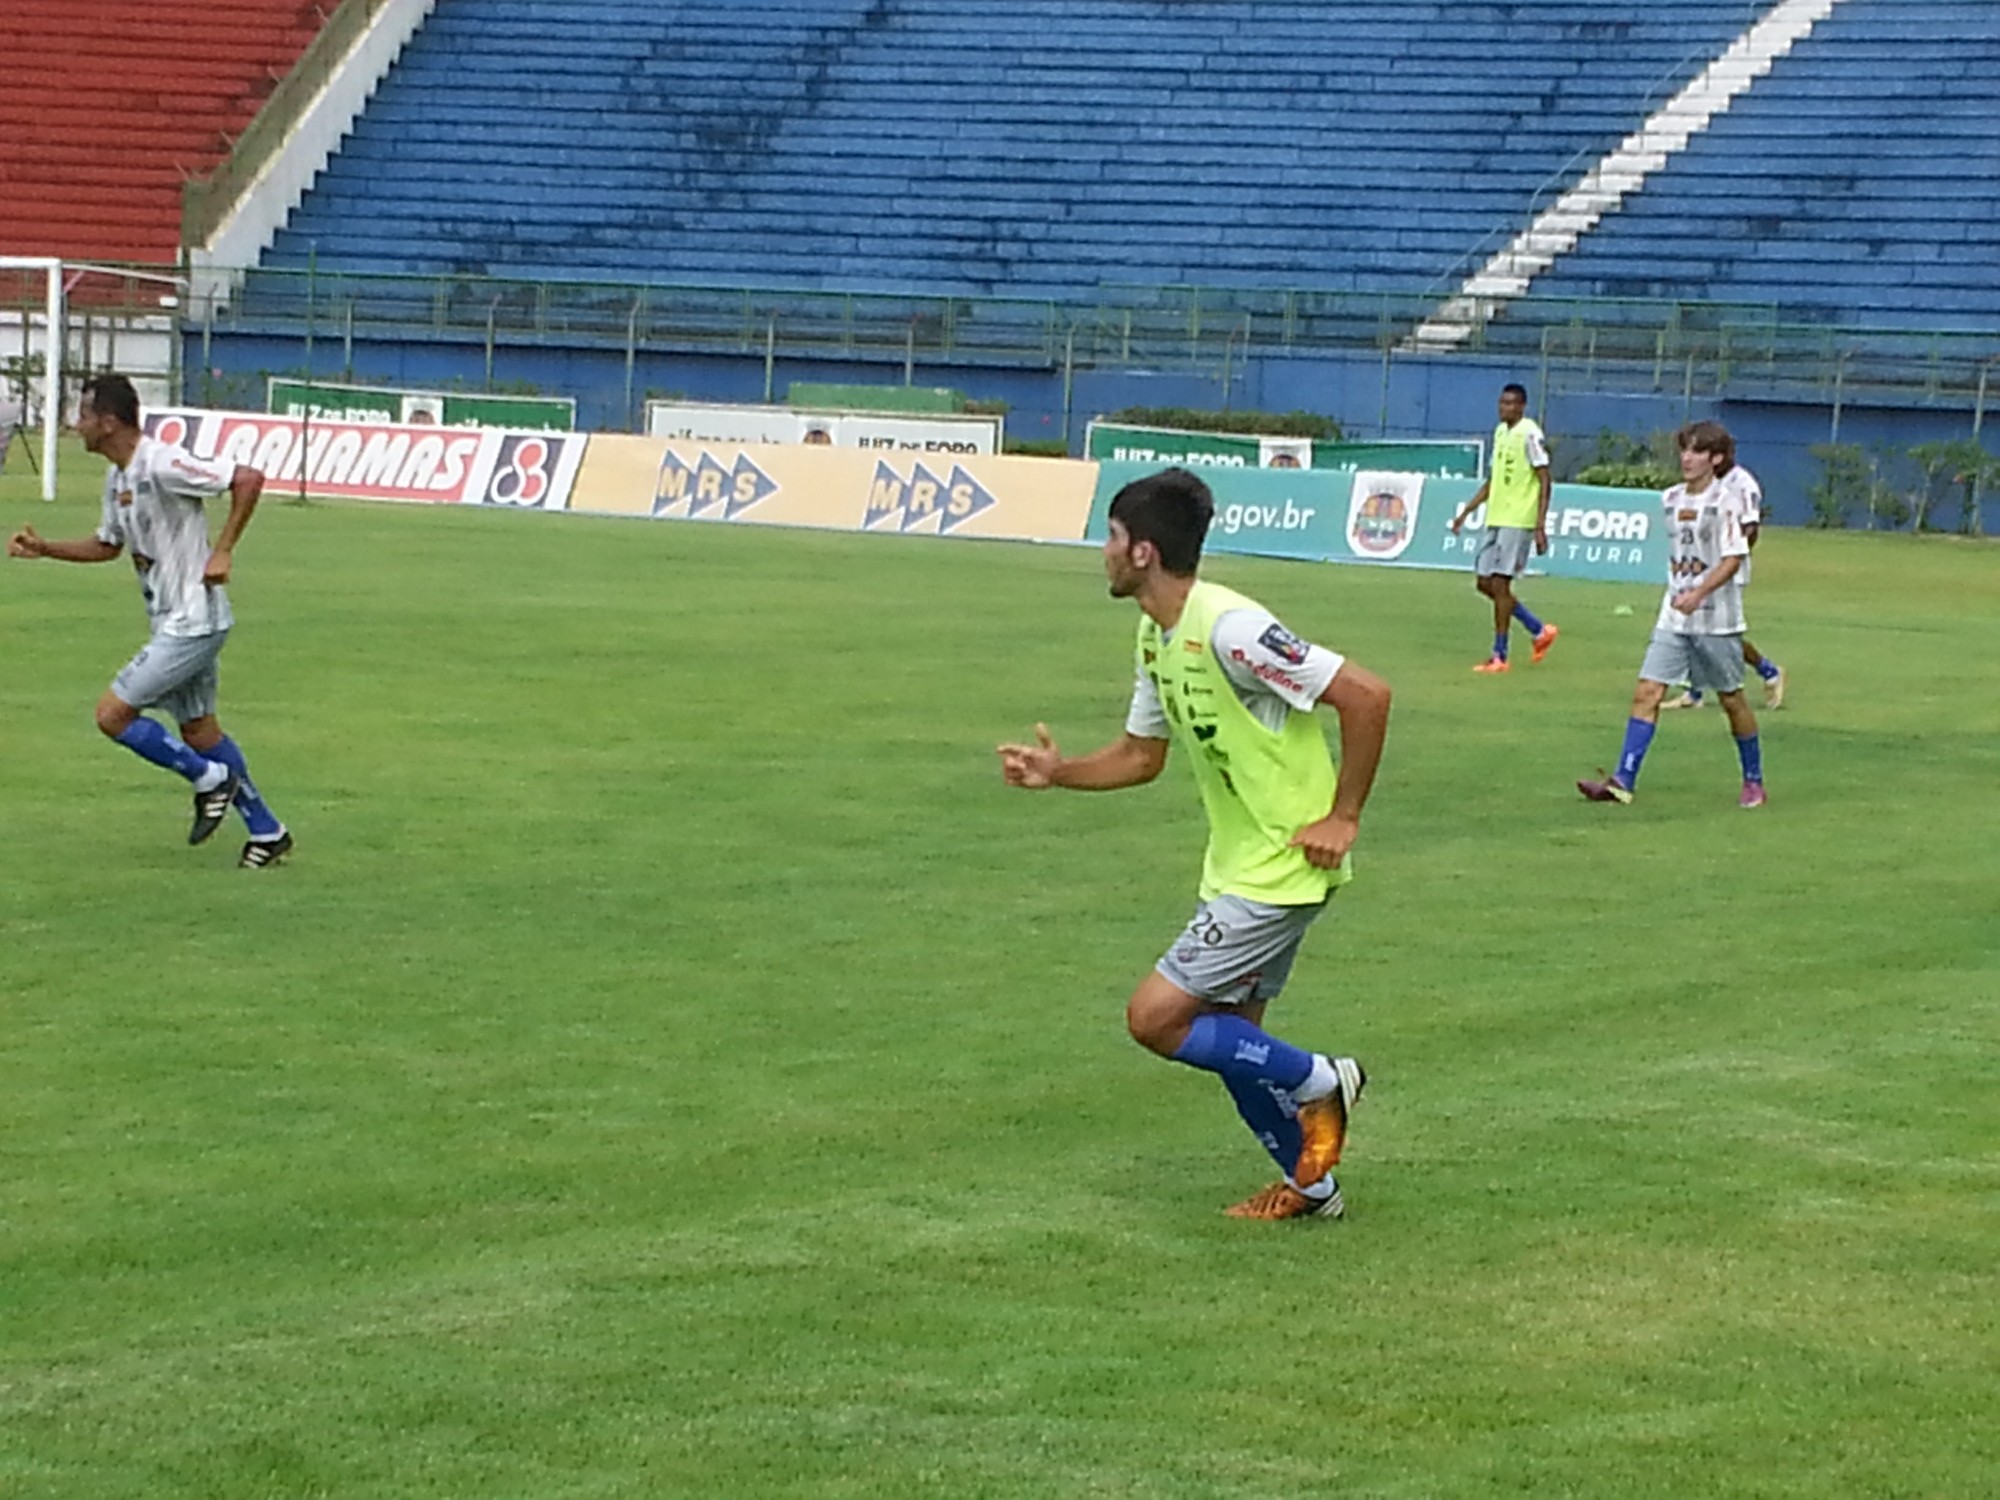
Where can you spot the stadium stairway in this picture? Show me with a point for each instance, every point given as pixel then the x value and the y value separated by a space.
pixel 1858 185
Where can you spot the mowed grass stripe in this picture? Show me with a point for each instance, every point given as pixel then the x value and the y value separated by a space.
pixel 674 1064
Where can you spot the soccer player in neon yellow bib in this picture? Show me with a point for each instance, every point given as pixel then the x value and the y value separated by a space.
pixel 1220 677
pixel 1516 496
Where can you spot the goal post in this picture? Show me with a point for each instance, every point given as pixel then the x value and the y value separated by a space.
pixel 52 326
pixel 59 277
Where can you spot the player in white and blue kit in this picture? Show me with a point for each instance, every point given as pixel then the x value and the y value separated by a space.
pixel 1750 505
pixel 153 499
pixel 1698 638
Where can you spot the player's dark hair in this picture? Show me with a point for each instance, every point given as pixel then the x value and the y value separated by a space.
pixel 113 396
pixel 1170 509
pixel 1709 437
pixel 1515 388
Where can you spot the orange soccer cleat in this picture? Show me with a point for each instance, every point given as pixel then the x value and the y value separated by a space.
pixel 1493 664
pixel 1544 638
pixel 1323 1121
pixel 1283 1201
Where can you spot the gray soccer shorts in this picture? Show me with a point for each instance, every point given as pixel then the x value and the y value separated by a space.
pixel 175 673
pixel 1714 662
pixel 1505 552
pixel 1236 951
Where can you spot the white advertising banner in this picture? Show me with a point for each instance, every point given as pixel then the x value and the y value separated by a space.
pixel 377 460
pixel 695 422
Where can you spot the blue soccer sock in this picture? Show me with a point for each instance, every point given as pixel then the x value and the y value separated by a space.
pixel 1638 737
pixel 152 740
pixel 1528 621
pixel 1242 1053
pixel 1272 1118
pixel 1500 645
pixel 1752 755
pixel 259 819
pixel 1766 668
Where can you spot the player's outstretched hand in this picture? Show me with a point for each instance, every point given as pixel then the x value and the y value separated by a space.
pixel 217 569
pixel 24 543
pixel 1326 842
pixel 1032 767
pixel 1458 523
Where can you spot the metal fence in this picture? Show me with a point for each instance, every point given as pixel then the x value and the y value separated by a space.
pixel 1695 349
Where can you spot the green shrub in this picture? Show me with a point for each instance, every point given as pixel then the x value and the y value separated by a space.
pixel 1302 424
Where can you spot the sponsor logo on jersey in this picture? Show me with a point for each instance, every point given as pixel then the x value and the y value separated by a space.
pixel 1282 644
pixel 1265 672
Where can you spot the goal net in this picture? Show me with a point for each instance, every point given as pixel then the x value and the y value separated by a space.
pixel 63 321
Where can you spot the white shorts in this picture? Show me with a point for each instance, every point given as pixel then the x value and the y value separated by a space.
pixel 1701 661
pixel 1505 552
pixel 175 673
pixel 1236 951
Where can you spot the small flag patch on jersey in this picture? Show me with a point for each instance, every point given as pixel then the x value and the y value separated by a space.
pixel 1282 644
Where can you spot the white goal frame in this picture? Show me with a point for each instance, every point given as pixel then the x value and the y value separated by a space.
pixel 56 337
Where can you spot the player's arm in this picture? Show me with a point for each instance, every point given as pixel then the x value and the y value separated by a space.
pixel 1129 760
pixel 1478 499
pixel 1361 699
pixel 1691 598
pixel 90 549
pixel 1542 513
pixel 246 485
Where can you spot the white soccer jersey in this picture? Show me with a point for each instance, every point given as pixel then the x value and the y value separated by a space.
pixel 1703 529
pixel 1749 494
pixel 153 509
pixel 1272 670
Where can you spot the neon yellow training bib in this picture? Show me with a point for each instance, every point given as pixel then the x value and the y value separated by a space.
pixel 1514 493
pixel 1258 787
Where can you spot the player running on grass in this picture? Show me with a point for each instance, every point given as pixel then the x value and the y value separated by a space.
pixel 1750 499
pixel 153 507
pixel 1698 636
pixel 1516 496
pixel 1218 676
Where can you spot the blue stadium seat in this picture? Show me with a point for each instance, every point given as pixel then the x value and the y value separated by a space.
pixel 1056 148
pixel 1859 182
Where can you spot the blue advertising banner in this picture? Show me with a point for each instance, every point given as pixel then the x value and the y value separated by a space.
pixel 1404 520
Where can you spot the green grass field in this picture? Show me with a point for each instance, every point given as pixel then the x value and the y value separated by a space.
pixel 674 1065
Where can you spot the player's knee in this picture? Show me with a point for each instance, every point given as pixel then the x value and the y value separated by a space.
pixel 1153 1028
pixel 202 734
pixel 114 716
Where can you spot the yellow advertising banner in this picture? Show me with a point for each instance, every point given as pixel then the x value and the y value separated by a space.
pixel 1040 499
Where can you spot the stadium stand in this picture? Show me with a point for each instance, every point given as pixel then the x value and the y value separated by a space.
pixel 948 147
pixel 108 107
pixel 1858 184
